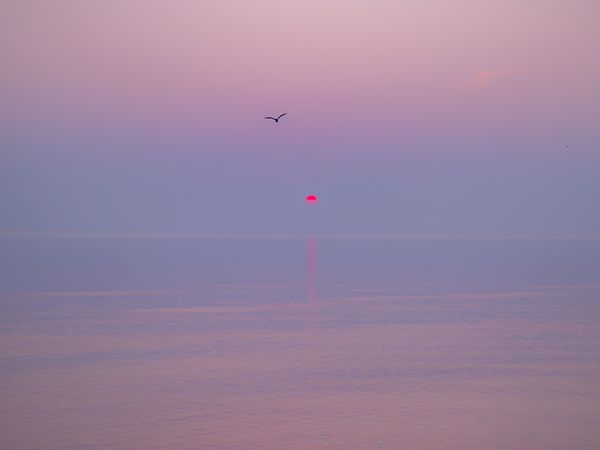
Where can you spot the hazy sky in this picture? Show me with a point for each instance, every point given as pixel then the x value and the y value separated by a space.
pixel 415 116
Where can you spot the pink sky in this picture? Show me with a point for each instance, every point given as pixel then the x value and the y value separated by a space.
pixel 373 83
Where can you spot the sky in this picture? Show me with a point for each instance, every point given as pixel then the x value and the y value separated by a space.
pixel 405 117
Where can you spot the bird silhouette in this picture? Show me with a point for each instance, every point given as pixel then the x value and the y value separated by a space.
pixel 277 118
pixel 568 145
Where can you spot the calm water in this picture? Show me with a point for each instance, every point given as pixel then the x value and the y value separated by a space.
pixel 299 344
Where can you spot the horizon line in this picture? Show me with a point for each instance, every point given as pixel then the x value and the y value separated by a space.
pixel 282 236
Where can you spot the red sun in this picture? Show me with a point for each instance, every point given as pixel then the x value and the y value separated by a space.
pixel 311 199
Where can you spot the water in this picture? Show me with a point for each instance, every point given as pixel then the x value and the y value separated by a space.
pixel 300 344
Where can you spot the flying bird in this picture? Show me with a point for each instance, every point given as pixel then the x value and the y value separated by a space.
pixel 568 145
pixel 276 119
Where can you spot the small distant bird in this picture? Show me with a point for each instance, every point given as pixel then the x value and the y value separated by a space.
pixel 276 119
pixel 568 145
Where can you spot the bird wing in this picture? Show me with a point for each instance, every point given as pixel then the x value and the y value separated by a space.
pixel 272 118
pixel 281 115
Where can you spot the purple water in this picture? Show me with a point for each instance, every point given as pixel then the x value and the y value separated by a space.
pixel 300 343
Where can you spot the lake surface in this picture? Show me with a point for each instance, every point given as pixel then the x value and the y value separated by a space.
pixel 300 343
